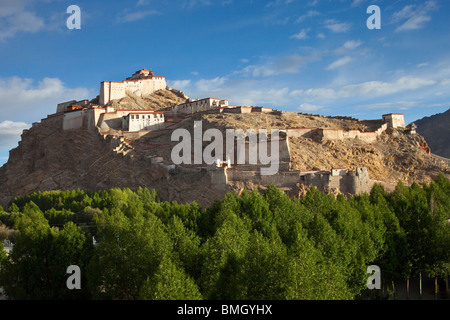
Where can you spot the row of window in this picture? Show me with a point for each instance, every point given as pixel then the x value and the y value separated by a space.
pixel 146 116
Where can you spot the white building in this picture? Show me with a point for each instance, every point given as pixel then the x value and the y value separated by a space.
pixel 142 82
pixel 200 105
pixel 109 117
pixel 140 121
pixel 394 120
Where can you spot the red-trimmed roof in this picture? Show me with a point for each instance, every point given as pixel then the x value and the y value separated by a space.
pixel 134 80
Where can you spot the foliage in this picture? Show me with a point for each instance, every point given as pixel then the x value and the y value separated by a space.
pixel 248 246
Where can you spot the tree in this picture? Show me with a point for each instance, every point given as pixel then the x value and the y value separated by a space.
pixel 313 275
pixel 130 250
pixel 169 283
pixel 37 265
pixel 223 257
pixel 186 247
pixel 265 272
pixel 393 257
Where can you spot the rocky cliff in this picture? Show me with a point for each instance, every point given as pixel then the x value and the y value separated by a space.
pixel 436 130
pixel 49 158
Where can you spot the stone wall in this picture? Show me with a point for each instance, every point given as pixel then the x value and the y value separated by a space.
pixel 111 90
pixel 332 134
pixel 199 106
pixel 237 110
pixel 349 184
pixel 335 134
pixel 73 120
pixel 54 121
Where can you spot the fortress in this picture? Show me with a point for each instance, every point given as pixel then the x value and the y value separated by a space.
pixel 126 125
pixel 142 82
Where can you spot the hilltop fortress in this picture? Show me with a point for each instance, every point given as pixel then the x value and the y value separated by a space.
pixel 142 82
pixel 127 127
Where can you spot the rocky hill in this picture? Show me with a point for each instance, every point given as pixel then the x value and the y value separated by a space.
pixel 161 99
pixel 436 130
pixel 49 158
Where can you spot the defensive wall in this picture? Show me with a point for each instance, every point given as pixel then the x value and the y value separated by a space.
pixel 142 82
pixel 349 184
pixel 335 134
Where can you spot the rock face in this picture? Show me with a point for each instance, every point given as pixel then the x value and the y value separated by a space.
pixel 158 100
pixel 436 130
pixel 49 158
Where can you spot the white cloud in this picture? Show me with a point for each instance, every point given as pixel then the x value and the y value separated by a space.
pixel 8 127
pixel 336 26
pixel 315 93
pixel 384 88
pixel 389 105
pixel 405 13
pixel 210 85
pixel 356 3
pixel 278 3
pixel 10 132
pixel 414 17
pixel 136 16
pixel 303 34
pixel 413 23
pixel 352 44
pixel 274 66
pixel 15 18
pixel 179 84
pixel 370 88
pixel 307 107
pixel 309 14
pixel 22 98
pixel 339 63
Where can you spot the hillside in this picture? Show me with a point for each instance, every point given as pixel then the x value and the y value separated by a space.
pixel 158 100
pixel 49 158
pixel 436 130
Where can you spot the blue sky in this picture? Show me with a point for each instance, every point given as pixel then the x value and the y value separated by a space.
pixel 315 56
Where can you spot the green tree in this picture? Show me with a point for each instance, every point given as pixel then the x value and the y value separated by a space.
pixel 186 247
pixel 265 272
pixel 130 250
pixel 37 265
pixel 169 283
pixel 223 257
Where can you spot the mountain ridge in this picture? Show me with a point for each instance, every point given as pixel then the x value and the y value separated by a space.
pixel 49 158
pixel 436 130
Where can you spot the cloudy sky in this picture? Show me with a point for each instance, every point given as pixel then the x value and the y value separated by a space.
pixel 315 56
